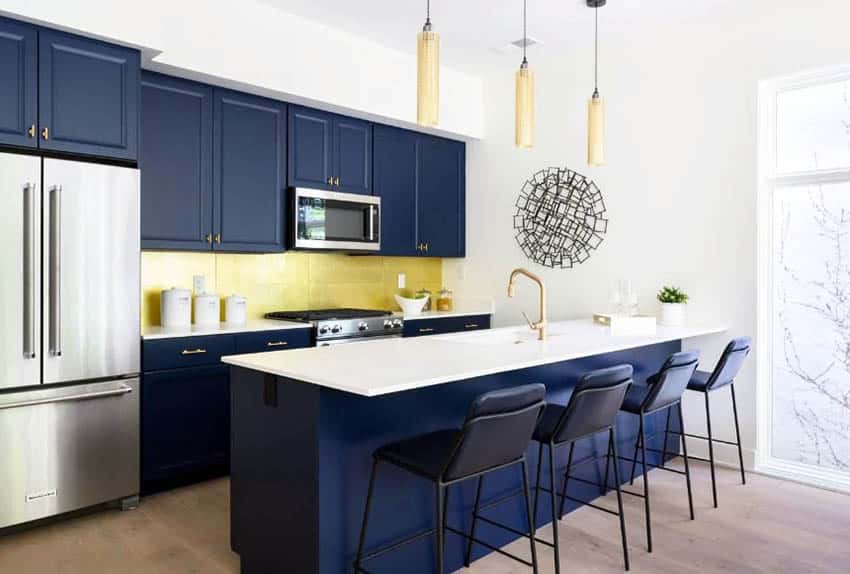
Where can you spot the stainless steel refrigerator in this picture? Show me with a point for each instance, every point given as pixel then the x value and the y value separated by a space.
pixel 69 336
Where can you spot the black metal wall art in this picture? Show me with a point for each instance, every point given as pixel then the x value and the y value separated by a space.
pixel 560 218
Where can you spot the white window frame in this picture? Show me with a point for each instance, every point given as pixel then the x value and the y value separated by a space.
pixel 768 181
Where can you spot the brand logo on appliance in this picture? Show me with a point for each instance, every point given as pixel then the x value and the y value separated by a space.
pixel 36 496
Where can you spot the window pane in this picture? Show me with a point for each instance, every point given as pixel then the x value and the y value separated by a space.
pixel 813 128
pixel 811 325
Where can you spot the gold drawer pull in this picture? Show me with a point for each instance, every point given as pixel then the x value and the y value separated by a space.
pixel 277 343
pixel 193 351
pixel 426 330
pixel 471 326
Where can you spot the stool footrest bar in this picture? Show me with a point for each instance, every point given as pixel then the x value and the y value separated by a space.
pixel 466 536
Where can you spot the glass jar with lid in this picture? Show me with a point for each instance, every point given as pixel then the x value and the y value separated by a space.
pixel 445 302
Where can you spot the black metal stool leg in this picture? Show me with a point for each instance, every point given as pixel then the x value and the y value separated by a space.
pixel 666 434
pixel 612 445
pixel 527 498
pixel 439 546
pixel 566 480
pixel 604 489
pixel 554 508
pixel 468 555
pixel 645 483
pixel 634 459
pixel 687 466
pixel 537 485
pixel 365 524
pixel 710 447
pixel 738 434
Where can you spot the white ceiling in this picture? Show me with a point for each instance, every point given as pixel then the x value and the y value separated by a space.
pixel 474 33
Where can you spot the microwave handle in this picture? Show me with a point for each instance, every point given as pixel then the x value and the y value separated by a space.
pixel 371 223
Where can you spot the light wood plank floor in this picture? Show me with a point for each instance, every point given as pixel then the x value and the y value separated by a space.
pixel 766 526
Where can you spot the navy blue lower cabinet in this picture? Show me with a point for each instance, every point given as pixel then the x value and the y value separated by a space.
pixel 88 96
pixel 176 164
pixel 18 89
pixel 302 454
pixel 423 327
pixel 185 426
pixel 282 340
pixel 395 183
pixel 249 173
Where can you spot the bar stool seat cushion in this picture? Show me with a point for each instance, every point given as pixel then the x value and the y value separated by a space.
pixel 425 454
pixel 548 423
pixel 635 397
pixel 699 381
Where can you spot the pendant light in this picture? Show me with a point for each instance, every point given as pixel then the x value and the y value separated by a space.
pixel 524 93
pixel 428 74
pixel 596 105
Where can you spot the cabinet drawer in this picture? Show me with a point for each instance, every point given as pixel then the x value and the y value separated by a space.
pixel 420 327
pixel 185 352
pixel 261 341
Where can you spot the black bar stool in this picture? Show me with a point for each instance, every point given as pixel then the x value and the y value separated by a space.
pixel 592 409
pixel 723 375
pixel 665 392
pixel 494 436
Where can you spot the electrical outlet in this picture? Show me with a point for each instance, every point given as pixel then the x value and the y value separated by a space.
pixel 402 280
pixel 200 284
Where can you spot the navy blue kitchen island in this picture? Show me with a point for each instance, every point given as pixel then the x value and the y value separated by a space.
pixel 301 449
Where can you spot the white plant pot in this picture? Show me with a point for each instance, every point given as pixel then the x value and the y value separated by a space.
pixel 672 314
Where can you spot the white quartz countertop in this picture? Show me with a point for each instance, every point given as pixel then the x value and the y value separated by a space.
pixel 254 325
pixel 380 367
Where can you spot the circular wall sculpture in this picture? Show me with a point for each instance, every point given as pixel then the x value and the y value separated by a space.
pixel 560 218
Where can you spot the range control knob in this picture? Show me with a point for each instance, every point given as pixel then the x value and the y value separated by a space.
pixel 336 329
pixel 324 329
pixel 388 324
pixel 397 323
pixel 362 326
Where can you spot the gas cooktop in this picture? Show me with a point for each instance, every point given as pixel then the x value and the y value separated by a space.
pixel 310 315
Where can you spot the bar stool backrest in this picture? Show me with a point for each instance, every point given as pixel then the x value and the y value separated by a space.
pixel 730 362
pixel 594 404
pixel 497 430
pixel 673 379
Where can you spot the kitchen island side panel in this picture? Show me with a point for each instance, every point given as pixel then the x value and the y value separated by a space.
pixel 335 449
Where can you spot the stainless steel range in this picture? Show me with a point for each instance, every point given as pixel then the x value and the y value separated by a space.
pixel 339 326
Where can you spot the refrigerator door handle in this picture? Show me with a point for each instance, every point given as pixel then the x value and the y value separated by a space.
pixel 29 271
pixel 55 270
pixel 120 390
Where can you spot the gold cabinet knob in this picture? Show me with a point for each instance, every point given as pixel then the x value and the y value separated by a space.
pixel 208 238
pixel 336 181
pixel 218 237
pixel 45 133
pixel 330 180
pixel 31 131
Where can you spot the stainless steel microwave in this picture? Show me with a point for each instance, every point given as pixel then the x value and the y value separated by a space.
pixel 331 220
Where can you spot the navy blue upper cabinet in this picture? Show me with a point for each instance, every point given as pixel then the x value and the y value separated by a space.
pixel 441 197
pixel 395 183
pixel 18 91
pixel 88 96
pixel 249 174
pixel 352 155
pixel 176 163
pixel 310 148
pixel 331 152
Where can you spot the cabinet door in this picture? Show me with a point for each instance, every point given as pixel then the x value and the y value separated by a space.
pixel 441 199
pixel 395 184
pixel 352 155
pixel 185 424
pixel 310 148
pixel 18 98
pixel 175 158
pixel 249 162
pixel 88 96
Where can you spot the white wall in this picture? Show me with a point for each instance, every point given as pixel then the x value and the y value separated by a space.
pixel 256 47
pixel 680 183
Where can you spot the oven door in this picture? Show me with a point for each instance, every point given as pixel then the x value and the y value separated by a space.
pixel 336 221
pixel 334 342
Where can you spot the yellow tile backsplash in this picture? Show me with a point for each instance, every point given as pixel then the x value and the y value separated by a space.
pixel 283 281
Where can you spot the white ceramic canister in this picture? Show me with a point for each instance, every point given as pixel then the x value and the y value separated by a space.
pixel 235 309
pixel 207 309
pixel 175 307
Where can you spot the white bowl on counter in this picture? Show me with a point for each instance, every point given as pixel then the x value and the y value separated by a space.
pixel 411 306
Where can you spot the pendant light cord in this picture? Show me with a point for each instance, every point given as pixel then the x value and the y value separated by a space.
pixel 524 31
pixel 596 52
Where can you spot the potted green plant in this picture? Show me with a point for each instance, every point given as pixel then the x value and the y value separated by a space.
pixel 673 301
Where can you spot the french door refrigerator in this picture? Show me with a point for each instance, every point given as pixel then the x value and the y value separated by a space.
pixel 69 336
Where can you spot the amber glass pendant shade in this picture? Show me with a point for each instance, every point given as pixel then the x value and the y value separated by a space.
pixel 428 78
pixel 596 130
pixel 524 107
